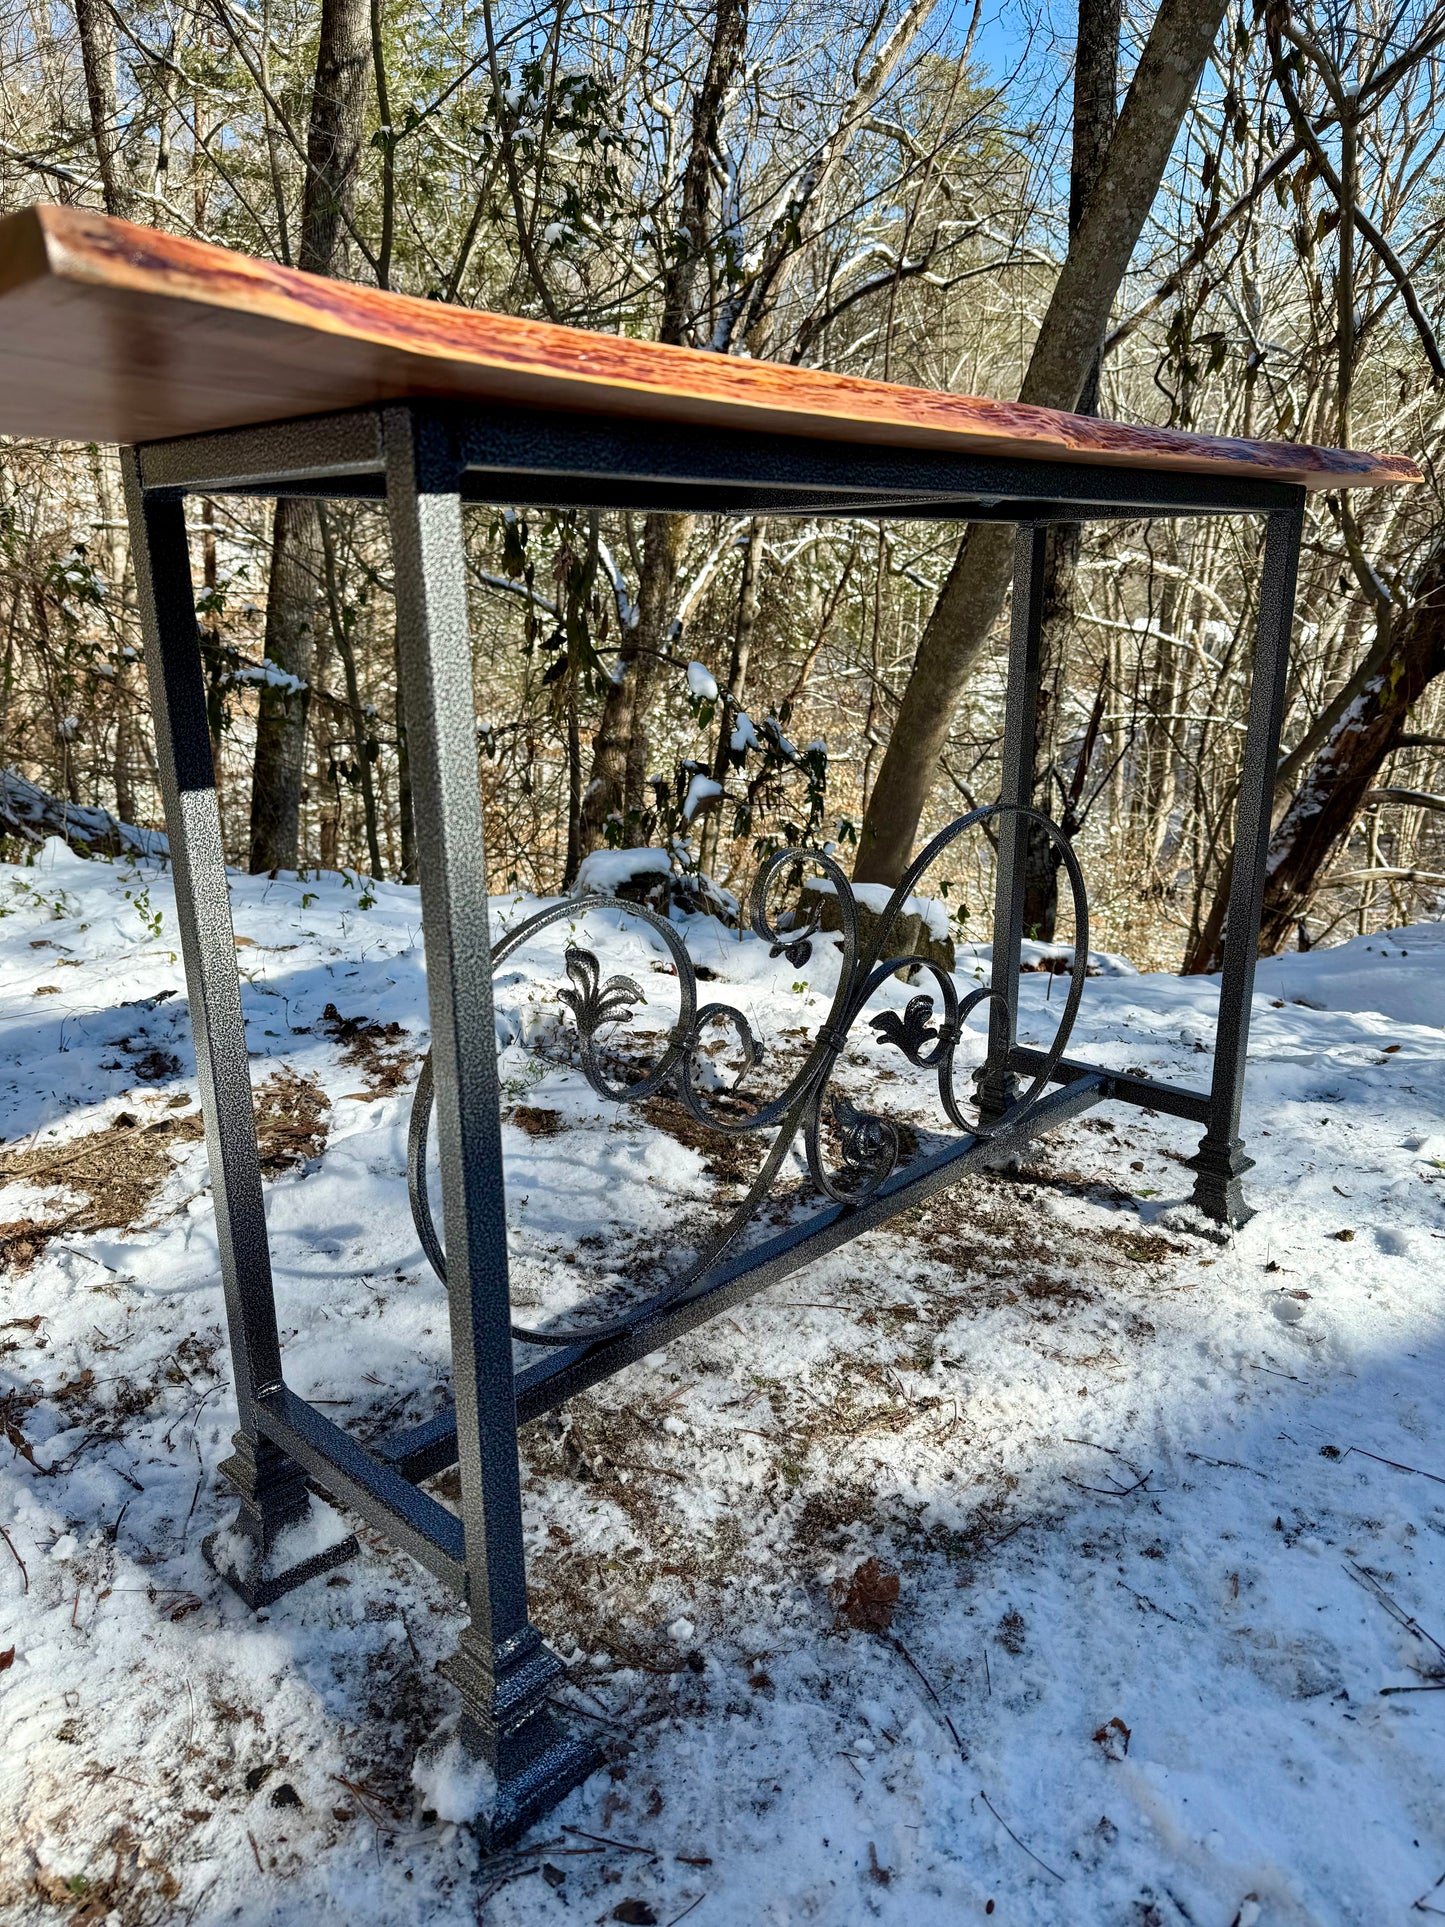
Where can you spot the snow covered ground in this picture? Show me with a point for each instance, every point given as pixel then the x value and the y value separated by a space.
pixel 1163 1512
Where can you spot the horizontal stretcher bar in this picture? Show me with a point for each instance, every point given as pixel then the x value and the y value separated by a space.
pixel 506 455
pixel 429 1448
pixel 371 1487
pixel 1174 1100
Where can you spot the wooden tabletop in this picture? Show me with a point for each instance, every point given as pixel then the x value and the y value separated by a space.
pixel 116 333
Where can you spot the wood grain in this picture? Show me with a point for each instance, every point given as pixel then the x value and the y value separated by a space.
pixel 116 333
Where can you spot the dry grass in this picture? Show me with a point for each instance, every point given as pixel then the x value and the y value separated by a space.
pixel 111 1175
pixel 109 1178
pixel 291 1120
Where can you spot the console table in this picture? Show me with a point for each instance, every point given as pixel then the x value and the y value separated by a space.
pixel 223 375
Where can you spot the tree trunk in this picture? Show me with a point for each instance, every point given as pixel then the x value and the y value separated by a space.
pixel 622 746
pixel 617 786
pixel 1078 313
pixel 333 153
pixel 363 742
pixel 749 600
pixel 97 55
pixel 693 246
pixel 1318 821
pixel 1096 113
pixel 292 608
pixel 664 539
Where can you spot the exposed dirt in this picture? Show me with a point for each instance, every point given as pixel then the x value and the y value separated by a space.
pixel 110 1177
pixel 731 1160
pixel 379 1051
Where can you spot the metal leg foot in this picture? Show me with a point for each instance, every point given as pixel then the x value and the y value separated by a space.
pixel 278 1538
pixel 1219 1168
pixel 509 1726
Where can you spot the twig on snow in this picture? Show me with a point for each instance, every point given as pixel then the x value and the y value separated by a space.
pixel 1147 1603
pixel 1394 1464
pixel 1017 1842
pixel 503 1880
pixel 1106 1491
pixel 623 1846
pixel 903 1653
pixel 1110 1491
pixel 1392 1606
pixel 1235 1465
pixel 24 1575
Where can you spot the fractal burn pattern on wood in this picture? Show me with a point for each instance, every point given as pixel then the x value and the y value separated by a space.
pixel 120 333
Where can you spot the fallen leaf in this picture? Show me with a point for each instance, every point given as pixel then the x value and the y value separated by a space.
pixel 7 1659
pixel 1113 1736
pixel 871 1597
pixel 635 1913
pixel 1343 1237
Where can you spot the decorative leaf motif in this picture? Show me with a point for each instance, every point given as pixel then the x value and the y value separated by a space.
pixel 869 1144
pixel 797 953
pixel 594 1003
pixel 912 1032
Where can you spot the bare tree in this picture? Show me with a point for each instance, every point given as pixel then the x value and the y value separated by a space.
pixel 333 147
pixel 1068 342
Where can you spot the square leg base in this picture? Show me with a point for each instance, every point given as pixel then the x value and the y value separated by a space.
pixel 1219 1170
pixel 261 1579
pixel 563 1761
pixel 528 1758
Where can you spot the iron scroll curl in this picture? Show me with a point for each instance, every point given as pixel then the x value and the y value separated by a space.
pixel 868 1145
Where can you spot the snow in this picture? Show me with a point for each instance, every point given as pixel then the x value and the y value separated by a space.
pixel 608 870
pixel 744 736
pixel 1129 1479
pixel 700 791
pixel 701 682
pixel 268 674
pixel 877 896
pixel 1398 974
pixel 454 1784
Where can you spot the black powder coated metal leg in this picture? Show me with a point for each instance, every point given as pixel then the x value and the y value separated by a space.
pixel 1220 1162
pixel 996 1084
pixel 502 1669
pixel 272 1487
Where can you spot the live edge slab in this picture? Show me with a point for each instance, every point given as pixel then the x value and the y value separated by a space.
pixel 115 333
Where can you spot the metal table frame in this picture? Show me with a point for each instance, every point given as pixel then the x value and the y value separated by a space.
pixel 426 461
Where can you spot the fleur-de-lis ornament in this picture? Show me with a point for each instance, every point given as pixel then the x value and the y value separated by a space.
pixel 913 1032
pixel 594 1003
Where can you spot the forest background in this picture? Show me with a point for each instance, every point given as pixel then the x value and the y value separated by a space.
pixel 1211 216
